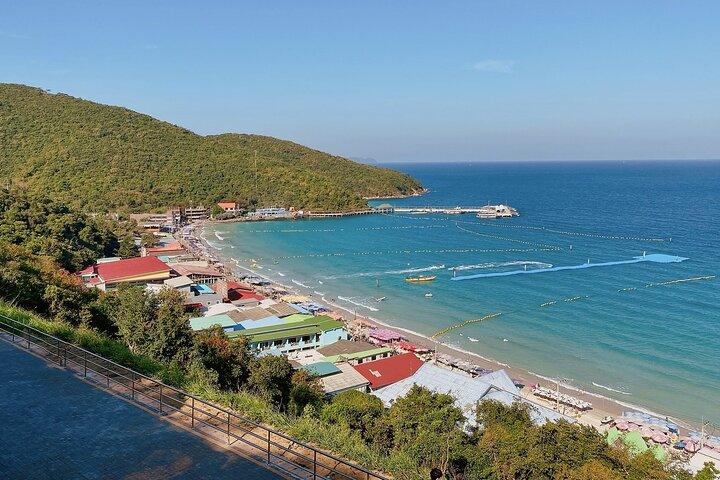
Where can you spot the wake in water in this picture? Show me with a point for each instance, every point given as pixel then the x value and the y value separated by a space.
pixel 515 263
pixel 610 389
pixel 388 272
pixel 300 284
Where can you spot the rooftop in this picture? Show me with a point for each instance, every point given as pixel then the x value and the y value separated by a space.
pixel 127 268
pixel 346 347
pixel 347 379
pixel 387 371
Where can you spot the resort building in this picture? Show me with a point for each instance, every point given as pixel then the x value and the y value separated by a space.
pixel 107 275
pixel 337 378
pixel 353 352
pixel 170 249
pixel 195 213
pixel 199 272
pixel 466 390
pixel 387 371
pixel 294 334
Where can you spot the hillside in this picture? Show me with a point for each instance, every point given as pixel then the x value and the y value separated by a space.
pixel 105 158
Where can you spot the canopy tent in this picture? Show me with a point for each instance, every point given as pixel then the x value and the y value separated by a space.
pixel 612 435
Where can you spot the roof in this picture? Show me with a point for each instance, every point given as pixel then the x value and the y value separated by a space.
pixel 255 313
pixel 358 355
pixel 168 247
pixel 178 282
pixel 697 462
pixel 219 308
pixel 127 268
pixel 286 330
pixel 298 317
pixel 321 369
pixel 282 309
pixel 346 347
pixel 188 270
pixel 201 323
pixel 466 390
pixel 203 289
pixel 347 379
pixel 385 335
pixel 389 370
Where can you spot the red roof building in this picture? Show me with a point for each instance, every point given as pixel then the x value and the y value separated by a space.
pixel 137 270
pixel 233 291
pixel 387 371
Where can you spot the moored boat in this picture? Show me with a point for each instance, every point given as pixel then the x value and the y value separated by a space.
pixel 497 211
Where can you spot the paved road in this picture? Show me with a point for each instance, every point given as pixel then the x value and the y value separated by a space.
pixel 55 426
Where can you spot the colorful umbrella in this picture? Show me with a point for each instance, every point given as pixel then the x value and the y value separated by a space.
pixel 646 432
pixel 691 447
pixel 621 426
pixel 659 437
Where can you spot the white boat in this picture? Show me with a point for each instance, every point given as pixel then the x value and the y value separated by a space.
pixel 380 299
pixel 428 295
pixel 497 211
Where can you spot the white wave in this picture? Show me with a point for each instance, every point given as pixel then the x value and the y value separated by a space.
pixel 610 389
pixel 320 282
pixel 318 293
pixel 281 274
pixel 219 237
pixel 300 284
pixel 350 300
pixel 473 339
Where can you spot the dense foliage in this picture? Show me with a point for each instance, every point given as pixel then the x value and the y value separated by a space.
pixel 109 158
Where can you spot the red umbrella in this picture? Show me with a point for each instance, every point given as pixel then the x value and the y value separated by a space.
pixel 659 437
pixel 691 447
pixel 621 426
pixel 632 427
pixel 646 432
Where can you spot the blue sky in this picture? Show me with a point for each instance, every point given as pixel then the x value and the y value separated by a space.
pixel 394 81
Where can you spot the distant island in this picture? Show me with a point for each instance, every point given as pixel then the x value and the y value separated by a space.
pixel 106 158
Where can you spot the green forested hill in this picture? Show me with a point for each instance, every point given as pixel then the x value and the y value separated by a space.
pixel 106 158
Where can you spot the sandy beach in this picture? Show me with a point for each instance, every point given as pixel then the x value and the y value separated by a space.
pixel 602 406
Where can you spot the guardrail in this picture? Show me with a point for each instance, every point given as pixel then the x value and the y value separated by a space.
pixel 276 449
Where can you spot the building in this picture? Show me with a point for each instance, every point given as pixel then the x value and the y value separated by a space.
pixel 353 352
pixel 384 336
pixel 337 378
pixel 198 273
pixel 170 249
pixel 108 275
pixel 228 206
pixel 182 284
pixel 387 371
pixel 270 212
pixel 295 333
pixel 466 390
pixel 195 213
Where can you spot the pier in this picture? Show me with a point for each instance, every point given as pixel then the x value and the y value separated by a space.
pixel 386 209
pixel 443 210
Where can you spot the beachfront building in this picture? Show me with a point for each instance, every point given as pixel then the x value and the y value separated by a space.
pixel 387 371
pixel 269 212
pixel 195 213
pixel 109 273
pixel 384 336
pixel 167 248
pixel 466 390
pixel 199 272
pixel 353 352
pixel 295 334
pixel 337 378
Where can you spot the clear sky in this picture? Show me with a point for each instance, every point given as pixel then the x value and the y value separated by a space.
pixel 395 80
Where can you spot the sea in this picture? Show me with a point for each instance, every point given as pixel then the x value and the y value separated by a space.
pixel 645 333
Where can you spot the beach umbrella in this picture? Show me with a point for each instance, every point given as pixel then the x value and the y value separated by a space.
pixel 680 445
pixel 691 447
pixel 673 428
pixel 646 432
pixel 659 437
pixel 632 427
pixel 659 453
pixel 621 426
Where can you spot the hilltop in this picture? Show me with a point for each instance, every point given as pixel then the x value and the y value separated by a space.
pixel 106 158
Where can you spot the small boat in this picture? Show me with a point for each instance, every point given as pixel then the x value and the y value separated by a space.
pixel 421 278
pixel 380 299
pixel 428 295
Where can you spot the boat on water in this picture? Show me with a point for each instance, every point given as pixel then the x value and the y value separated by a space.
pixel 428 295
pixel 497 211
pixel 380 299
pixel 421 278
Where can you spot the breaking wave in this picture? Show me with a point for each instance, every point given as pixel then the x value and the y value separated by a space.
pixel 502 264
pixel 610 389
pixel 359 304
pixel 300 284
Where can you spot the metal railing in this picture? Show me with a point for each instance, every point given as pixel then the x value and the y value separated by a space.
pixel 274 448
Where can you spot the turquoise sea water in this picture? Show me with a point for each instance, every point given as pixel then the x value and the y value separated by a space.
pixel 617 330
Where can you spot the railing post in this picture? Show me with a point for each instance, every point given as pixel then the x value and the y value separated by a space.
pixel 314 464
pixel 161 398
pixel 27 337
pixel 192 413
pixel 132 385
pixel 66 353
pixel 85 363
pixel 59 360
pixel 228 428
pixel 268 448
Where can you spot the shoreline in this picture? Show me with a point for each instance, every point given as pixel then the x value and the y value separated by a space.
pixel 602 405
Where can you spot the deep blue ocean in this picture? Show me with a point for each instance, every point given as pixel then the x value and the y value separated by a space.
pixel 641 333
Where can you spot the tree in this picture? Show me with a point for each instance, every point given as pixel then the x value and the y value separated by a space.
pixel 229 358
pixel 153 324
pixel 127 248
pixel 305 390
pixel 359 411
pixel 270 378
